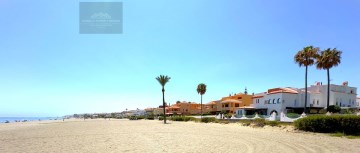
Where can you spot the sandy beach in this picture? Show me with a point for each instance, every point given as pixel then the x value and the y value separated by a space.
pixel 153 136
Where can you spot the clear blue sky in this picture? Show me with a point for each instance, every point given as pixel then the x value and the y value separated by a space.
pixel 48 69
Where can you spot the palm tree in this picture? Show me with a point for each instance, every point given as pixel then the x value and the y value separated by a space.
pixel 201 89
pixel 163 79
pixel 306 57
pixel 326 60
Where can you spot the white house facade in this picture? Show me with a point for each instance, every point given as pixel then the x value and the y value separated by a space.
pixel 293 100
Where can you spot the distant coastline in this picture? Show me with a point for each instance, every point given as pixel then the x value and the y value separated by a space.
pixel 26 119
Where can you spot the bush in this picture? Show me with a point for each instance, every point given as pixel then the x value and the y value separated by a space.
pixel 259 122
pixel 334 109
pixel 140 117
pixel 161 118
pixel 208 119
pixel 348 124
pixel 250 116
pixel 180 118
pixel 272 123
pixel 293 115
pixel 348 111
pixel 150 117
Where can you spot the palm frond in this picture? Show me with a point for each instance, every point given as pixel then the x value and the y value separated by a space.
pixel 328 59
pixel 201 88
pixel 163 79
pixel 306 57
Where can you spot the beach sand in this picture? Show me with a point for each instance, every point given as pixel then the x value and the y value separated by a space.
pixel 153 136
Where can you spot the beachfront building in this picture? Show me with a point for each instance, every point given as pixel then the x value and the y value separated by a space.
pixel 213 107
pixel 180 108
pixel 185 108
pixel 289 100
pixel 229 104
pixel 340 95
pixel 274 100
pixel 358 103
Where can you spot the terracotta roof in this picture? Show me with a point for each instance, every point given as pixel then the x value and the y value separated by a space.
pixel 282 90
pixel 211 103
pixel 258 96
pixel 231 101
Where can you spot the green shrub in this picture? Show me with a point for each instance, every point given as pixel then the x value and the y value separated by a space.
pixel 161 118
pixel 150 117
pixel 272 123
pixel 334 109
pixel 180 118
pixel 348 111
pixel 208 119
pixel 259 122
pixel 293 115
pixel 250 116
pixel 140 117
pixel 348 124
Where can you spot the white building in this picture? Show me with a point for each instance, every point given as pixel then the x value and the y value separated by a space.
pixel 293 100
pixel 358 103
pixel 340 95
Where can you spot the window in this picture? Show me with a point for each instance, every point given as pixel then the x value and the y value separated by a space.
pixel 269 102
pixel 278 101
pixel 236 105
pixel 295 102
pixel 336 103
pixel 313 101
pixel 274 101
pixel 317 102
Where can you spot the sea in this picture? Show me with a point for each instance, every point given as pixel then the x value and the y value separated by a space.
pixel 21 119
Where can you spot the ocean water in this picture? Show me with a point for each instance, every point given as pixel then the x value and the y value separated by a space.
pixel 13 119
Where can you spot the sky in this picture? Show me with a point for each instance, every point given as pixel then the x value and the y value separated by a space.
pixel 47 68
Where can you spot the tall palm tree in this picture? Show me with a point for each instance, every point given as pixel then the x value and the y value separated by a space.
pixel 326 60
pixel 201 89
pixel 163 79
pixel 306 57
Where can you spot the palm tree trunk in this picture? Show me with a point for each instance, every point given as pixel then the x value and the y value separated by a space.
pixel 201 107
pixel 328 89
pixel 306 70
pixel 163 91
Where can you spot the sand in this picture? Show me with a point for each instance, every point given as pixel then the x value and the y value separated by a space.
pixel 153 136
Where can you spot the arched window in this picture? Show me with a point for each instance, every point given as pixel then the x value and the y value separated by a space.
pixel 278 101
pixel 269 102
pixel 317 102
pixel 274 101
